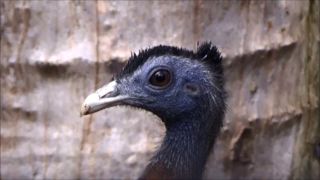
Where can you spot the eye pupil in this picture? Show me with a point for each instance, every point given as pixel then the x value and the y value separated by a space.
pixel 160 78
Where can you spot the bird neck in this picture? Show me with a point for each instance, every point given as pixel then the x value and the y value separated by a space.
pixel 185 149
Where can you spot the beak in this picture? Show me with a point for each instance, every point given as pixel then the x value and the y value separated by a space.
pixel 105 97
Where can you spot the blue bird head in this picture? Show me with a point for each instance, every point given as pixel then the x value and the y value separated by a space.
pixel 172 83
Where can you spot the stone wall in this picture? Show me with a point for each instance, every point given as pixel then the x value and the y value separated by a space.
pixel 54 53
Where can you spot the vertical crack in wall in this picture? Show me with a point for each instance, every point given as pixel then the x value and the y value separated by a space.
pixel 46 116
pixel 26 24
pixel 309 69
pixel 246 6
pixel 303 165
pixel 46 121
pixel 57 28
pixel 87 124
pixel 196 8
pixel 1 34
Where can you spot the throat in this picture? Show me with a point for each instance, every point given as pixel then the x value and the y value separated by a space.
pixel 183 153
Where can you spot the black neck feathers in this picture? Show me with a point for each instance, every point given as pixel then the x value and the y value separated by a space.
pixel 184 151
pixel 190 136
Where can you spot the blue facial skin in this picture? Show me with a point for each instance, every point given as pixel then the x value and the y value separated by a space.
pixel 182 95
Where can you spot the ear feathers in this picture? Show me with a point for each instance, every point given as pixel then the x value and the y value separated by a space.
pixel 211 56
pixel 205 53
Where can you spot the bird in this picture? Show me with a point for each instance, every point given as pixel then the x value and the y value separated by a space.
pixel 185 89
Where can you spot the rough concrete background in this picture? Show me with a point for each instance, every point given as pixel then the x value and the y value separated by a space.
pixel 54 53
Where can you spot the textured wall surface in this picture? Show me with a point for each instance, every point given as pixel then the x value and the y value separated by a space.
pixel 54 53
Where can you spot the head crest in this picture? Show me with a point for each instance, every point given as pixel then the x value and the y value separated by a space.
pixel 206 53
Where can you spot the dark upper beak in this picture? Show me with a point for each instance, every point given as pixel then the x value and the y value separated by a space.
pixel 105 97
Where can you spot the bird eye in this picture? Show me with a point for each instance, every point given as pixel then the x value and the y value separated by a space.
pixel 160 78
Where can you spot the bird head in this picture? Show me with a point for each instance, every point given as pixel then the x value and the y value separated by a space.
pixel 167 81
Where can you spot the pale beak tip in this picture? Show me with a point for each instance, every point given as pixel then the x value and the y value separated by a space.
pixel 101 99
pixel 91 100
pixel 84 109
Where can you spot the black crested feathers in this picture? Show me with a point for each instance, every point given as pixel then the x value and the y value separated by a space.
pixel 206 53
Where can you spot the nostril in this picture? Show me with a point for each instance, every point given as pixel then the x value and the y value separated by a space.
pixel 110 94
pixel 105 95
pixel 108 90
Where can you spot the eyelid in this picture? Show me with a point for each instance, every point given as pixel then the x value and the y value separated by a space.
pixel 151 72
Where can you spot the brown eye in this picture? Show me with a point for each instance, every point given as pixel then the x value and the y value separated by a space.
pixel 160 78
